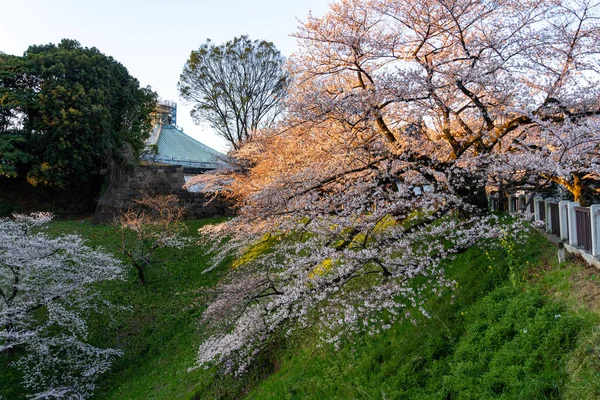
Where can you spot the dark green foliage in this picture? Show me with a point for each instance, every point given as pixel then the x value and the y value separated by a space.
pixel 11 154
pixel 76 110
pixel 7 208
pixel 11 378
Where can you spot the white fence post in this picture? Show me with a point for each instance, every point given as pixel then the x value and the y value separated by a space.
pixel 548 219
pixel 563 217
pixel 511 203
pixel 595 221
pixel 493 205
pixel 521 204
pixel 572 223
pixel 536 207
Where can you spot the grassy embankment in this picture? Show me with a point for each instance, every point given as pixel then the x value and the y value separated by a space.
pixel 159 334
pixel 517 326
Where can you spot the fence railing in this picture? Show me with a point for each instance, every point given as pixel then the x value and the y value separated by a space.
pixel 584 228
pixel 494 203
pixel 554 219
pixel 515 203
pixel 578 226
pixel 542 208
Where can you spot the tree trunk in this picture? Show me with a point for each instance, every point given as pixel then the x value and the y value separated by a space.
pixel 141 276
pixel 501 199
pixel 577 190
pixel 11 350
pixel 581 193
pixel 479 198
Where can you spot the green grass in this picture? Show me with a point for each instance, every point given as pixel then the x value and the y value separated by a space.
pixel 159 331
pixel 514 328
pixel 494 337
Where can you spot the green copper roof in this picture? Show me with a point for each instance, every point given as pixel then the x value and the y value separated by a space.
pixel 175 147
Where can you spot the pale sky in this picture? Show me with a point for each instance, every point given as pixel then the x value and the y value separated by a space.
pixel 153 39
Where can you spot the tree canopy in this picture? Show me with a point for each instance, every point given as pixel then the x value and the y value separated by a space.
pixel 237 87
pixel 67 111
pixel 459 79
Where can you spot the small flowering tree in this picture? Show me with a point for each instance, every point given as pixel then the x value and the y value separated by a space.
pixel 46 289
pixel 155 223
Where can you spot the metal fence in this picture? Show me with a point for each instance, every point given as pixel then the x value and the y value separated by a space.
pixel 542 208
pixel 584 228
pixel 515 203
pixel 494 203
pixel 578 226
pixel 554 219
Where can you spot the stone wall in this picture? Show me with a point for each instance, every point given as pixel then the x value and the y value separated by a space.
pixel 156 180
pixel 18 196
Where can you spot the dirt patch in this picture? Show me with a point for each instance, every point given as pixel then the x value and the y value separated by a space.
pixel 585 286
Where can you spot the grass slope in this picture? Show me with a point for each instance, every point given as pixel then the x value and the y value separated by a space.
pixel 517 327
pixel 509 331
pixel 158 331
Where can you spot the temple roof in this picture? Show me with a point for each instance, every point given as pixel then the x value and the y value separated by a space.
pixel 175 147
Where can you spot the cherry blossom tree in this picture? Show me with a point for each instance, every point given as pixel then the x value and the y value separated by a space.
pixel 470 77
pixel 567 154
pixel 46 291
pixel 400 115
pixel 329 232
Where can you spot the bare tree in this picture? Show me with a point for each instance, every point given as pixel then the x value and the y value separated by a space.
pixel 236 86
pixel 155 223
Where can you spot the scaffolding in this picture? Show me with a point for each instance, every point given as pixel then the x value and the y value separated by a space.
pixel 166 113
